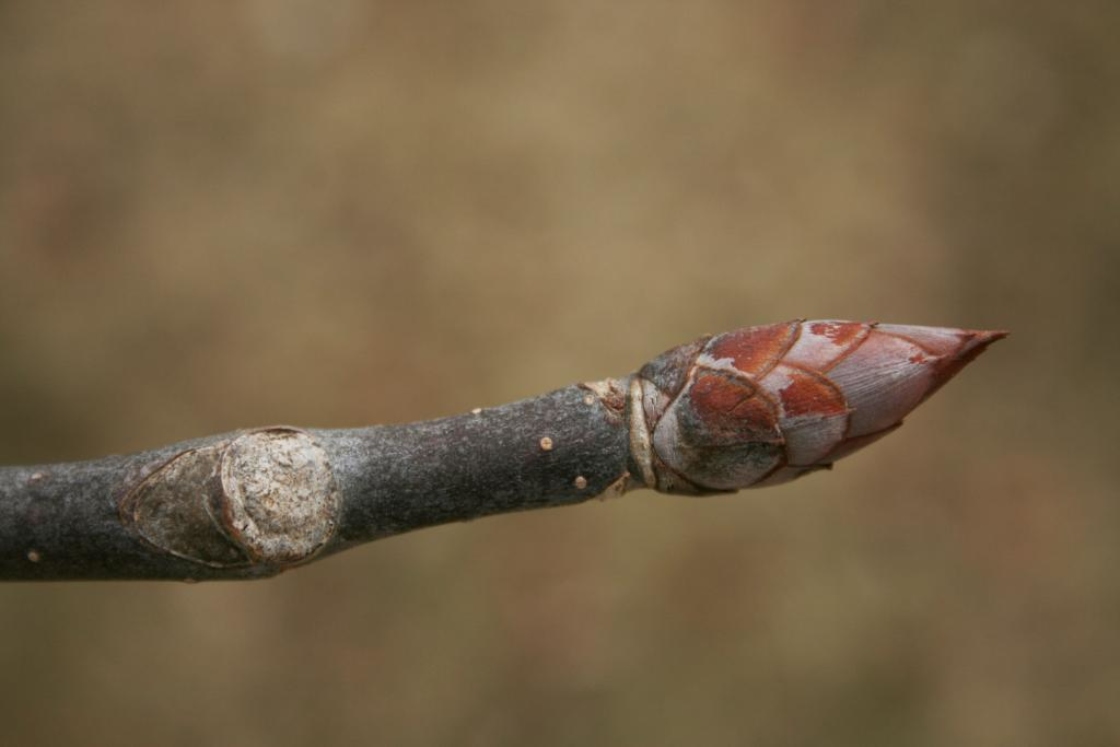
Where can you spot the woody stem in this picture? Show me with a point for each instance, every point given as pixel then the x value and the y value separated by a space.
pixel 250 504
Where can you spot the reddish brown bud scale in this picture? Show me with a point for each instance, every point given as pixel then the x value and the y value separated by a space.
pixel 764 405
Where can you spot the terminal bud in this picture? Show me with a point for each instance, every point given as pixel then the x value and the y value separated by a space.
pixel 763 405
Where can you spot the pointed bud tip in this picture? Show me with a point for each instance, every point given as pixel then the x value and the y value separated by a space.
pixel 973 343
pixel 978 339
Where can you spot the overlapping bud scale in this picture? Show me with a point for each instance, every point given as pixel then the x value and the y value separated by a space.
pixel 763 405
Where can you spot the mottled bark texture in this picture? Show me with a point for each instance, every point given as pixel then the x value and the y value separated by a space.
pixel 758 406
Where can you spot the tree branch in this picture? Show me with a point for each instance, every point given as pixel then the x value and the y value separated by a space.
pixel 758 406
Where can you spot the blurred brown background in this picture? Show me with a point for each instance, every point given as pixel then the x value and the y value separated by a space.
pixel 223 214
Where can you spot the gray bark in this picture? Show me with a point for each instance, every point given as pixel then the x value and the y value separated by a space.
pixel 185 511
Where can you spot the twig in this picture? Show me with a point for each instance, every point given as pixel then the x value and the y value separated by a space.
pixel 754 407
